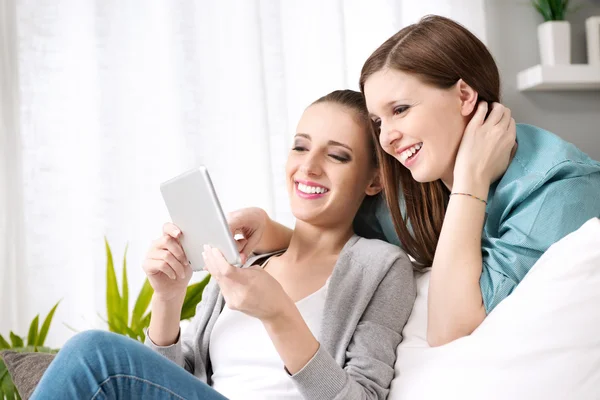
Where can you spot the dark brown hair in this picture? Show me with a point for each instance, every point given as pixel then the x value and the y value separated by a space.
pixel 355 102
pixel 439 52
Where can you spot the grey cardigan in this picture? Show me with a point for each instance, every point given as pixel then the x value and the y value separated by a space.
pixel 369 299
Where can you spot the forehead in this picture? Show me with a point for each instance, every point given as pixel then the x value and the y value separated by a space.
pixel 330 121
pixel 390 86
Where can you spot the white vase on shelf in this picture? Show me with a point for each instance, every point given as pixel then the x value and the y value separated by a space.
pixel 592 30
pixel 554 39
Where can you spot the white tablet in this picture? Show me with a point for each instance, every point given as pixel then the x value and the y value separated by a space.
pixel 194 207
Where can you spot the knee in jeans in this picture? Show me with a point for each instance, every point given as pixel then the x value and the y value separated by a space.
pixel 92 341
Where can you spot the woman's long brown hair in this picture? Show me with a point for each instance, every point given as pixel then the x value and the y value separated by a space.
pixel 439 52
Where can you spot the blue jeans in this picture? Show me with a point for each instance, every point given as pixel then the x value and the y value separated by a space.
pixel 103 365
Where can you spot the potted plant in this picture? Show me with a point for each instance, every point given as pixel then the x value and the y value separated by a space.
pixel 35 343
pixel 132 322
pixel 554 35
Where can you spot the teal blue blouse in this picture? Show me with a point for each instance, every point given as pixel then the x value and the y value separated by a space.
pixel 548 191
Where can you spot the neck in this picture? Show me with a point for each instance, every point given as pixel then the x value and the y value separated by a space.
pixel 311 241
pixel 448 178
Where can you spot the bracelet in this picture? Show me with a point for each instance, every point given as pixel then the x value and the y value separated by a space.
pixel 470 195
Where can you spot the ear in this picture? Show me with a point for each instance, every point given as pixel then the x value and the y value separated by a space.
pixel 468 98
pixel 375 185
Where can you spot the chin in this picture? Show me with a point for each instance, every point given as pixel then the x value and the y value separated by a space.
pixel 423 177
pixel 305 215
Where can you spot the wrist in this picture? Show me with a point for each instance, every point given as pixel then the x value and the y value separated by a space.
pixel 286 318
pixel 472 185
pixel 169 300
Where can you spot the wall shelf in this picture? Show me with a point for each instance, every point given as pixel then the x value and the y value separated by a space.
pixel 560 77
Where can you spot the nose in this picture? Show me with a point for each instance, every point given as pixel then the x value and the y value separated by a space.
pixel 311 165
pixel 388 134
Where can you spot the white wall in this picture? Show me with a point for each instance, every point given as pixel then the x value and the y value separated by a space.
pixel 512 38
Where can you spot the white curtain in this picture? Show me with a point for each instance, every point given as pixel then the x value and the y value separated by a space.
pixel 115 97
pixel 11 216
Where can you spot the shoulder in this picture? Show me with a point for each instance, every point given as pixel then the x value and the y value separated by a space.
pixel 540 153
pixel 377 254
pixel 541 159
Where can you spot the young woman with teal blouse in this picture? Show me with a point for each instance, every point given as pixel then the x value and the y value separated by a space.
pixel 468 192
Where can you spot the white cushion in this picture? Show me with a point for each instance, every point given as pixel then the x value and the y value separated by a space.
pixel 542 342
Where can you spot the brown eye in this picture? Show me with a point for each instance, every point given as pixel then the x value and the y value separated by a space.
pixel 399 110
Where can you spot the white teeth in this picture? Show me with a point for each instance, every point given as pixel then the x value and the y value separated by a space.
pixel 310 189
pixel 409 152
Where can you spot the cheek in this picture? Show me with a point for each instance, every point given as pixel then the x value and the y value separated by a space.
pixel 354 182
pixel 384 143
pixel 290 164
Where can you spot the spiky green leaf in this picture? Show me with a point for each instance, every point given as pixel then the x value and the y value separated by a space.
pixel 33 331
pixel 193 296
pixel 113 298
pixel 16 340
pixel 4 344
pixel 46 326
pixel 69 327
pixel 552 10
pixel 125 290
pixel 127 330
pixel 141 304
pixel 7 388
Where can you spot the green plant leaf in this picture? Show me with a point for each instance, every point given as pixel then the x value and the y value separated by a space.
pixel 7 388
pixel 3 343
pixel 121 329
pixel 140 334
pixel 553 10
pixel 16 340
pixel 69 327
pixel 145 323
pixel 125 290
pixel 33 331
pixel 41 338
pixel 34 349
pixel 127 330
pixel 113 298
pixel 141 305
pixel 193 296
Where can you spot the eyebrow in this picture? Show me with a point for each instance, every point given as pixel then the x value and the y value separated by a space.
pixel 330 142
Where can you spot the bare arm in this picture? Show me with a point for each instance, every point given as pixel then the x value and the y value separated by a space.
pixel 164 322
pixel 455 302
pixel 169 273
pixel 275 237
pixel 261 233
pixel 292 338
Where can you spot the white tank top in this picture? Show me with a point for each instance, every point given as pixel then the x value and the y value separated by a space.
pixel 244 361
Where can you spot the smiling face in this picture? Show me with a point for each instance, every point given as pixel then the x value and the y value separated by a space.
pixel 330 168
pixel 421 125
